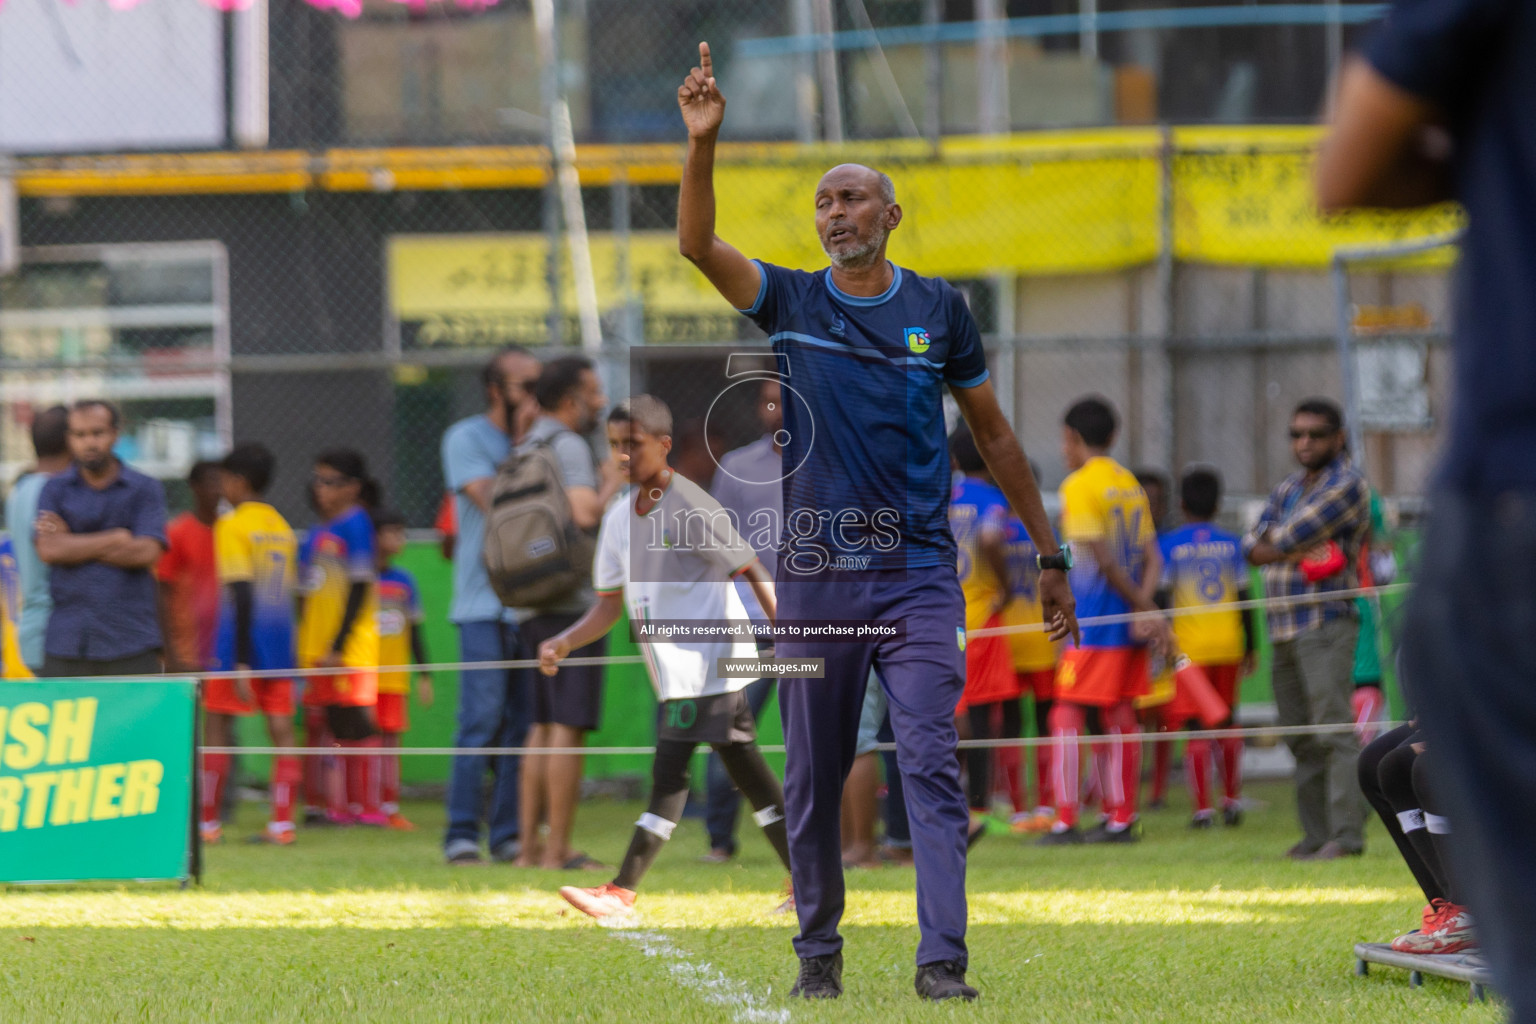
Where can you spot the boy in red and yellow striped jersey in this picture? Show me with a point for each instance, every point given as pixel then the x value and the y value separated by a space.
pixel 400 644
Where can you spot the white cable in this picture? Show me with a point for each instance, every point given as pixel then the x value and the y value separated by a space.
pixel 1255 732
pixel 636 659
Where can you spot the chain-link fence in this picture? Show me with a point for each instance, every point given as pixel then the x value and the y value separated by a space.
pixel 269 270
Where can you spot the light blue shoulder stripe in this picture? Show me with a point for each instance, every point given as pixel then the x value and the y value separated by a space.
pixel 869 355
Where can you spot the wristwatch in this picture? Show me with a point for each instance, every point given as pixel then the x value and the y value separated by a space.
pixel 1061 560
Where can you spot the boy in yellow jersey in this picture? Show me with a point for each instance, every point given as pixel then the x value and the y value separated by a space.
pixel 1204 568
pixel 1106 520
pixel 11 665
pixel 256 560
pixel 339 629
pixel 978 517
pixel 1034 667
pixel 400 643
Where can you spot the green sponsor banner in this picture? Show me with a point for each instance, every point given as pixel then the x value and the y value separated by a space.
pixel 95 779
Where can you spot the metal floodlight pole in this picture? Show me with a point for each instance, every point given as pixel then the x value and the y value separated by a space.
pixel 546 29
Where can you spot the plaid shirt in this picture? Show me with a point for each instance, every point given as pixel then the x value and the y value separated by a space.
pixel 1334 507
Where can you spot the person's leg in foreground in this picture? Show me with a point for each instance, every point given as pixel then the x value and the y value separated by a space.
pixel 924 675
pixel 1469 660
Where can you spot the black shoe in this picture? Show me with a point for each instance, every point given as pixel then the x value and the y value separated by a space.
pixel 1232 815
pixel 821 977
pixel 1157 805
pixel 1105 834
pixel 943 980
pixel 1066 837
pixel 1203 821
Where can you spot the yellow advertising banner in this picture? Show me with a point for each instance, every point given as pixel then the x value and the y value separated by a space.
pixel 1048 203
pixel 1244 196
pixel 434 274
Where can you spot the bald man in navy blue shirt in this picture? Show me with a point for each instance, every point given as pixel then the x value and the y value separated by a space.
pixel 866 349
pixel 1440 106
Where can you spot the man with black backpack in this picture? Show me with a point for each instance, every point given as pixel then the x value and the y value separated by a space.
pixel 493 702
pixel 567 705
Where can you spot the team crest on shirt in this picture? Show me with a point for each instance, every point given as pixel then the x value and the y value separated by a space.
pixel 917 339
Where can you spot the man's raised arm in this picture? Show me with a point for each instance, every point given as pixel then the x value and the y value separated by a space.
pixel 733 275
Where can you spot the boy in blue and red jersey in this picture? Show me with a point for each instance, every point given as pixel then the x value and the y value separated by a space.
pixel 1204 568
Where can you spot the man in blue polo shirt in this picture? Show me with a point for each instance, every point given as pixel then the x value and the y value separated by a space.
pixel 865 349
pixel 1439 107
pixel 100 526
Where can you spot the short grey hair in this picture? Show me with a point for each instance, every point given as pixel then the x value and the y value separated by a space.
pixel 887 188
pixel 647 412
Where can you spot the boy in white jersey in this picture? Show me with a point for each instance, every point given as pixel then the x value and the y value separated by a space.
pixel 667 551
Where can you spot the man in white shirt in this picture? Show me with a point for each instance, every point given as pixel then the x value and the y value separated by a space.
pixel 668 552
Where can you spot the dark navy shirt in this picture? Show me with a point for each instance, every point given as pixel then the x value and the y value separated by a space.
pixel 866 461
pixel 1476 61
pixel 102 612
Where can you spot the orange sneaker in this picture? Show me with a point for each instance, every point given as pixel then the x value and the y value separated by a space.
pixel 1033 822
pixel 212 834
pixel 599 901
pixel 399 822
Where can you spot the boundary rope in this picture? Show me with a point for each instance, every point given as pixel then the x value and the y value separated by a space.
pixel 636 659
pixel 1256 731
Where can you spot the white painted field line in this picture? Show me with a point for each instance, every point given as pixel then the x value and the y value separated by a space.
pixel 713 986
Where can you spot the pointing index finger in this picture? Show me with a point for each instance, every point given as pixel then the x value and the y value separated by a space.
pixel 705 64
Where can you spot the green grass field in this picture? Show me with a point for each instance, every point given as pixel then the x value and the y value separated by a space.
pixel 365 926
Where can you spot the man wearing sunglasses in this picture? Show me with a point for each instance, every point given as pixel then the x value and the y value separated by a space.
pixel 1308 541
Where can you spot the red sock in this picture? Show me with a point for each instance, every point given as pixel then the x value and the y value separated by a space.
pixel 215 774
pixel 1067 722
pixel 1197 762
pixel 1124 780
pixel 1044 780
pixel 362 772
pixel 1099 782
pixel 389 780
pixel 316 782
pixel 1162 751
pixel 1232 767
pixel 287 772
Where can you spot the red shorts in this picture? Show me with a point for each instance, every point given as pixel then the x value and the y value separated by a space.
pixel 273 697
pixel 1039 683
pixel 1182 708
pixel 1101 676
pixel 988 670
pixel 393 713
pixel 358 688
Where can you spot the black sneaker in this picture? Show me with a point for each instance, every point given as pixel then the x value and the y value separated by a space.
pixel 1201 821
pixel 1105 834
pixel 1232 815
pixel 821 977
pixel 1069 836
pixel 943 980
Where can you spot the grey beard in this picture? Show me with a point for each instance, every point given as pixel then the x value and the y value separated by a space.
pixel 862 256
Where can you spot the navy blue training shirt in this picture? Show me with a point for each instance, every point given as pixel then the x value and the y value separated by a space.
pixel 102 612
pixel 866 463
pixel 1476 61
